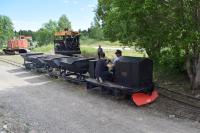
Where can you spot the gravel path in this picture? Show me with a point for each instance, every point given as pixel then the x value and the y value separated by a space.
pixel 34 103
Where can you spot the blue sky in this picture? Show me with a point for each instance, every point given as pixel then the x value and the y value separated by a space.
pixel 31 14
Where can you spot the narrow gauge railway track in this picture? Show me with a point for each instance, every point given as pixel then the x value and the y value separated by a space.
pixel 175 109
pixel 180 97
pixel 189 106
pixel 11 62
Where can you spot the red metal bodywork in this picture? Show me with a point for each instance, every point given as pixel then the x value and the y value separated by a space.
pixel 142 98
pixel 18 44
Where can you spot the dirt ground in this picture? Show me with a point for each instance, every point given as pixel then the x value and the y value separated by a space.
pixel 33 103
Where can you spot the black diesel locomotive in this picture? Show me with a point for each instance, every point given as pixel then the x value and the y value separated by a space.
pixel 133 75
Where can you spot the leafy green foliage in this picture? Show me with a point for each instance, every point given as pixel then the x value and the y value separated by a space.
pixel 26 33
pixel 45 35
pixel 94 32
pixel 168 30
pixel 140 21
pixel 6 30
pixel 63 23
pixel 151 24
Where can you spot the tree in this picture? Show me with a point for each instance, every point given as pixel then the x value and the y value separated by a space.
pixel 27 33
pixel 164 28
pixel 63 23
pixel 136 21
pixel 96 31
pixel 186 31
pixel 6 30
pixel 45 35
pixel 51 26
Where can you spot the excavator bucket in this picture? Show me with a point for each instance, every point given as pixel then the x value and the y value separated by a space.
pixel 143 98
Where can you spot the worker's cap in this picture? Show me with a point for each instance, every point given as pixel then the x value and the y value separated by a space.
pixel 118 52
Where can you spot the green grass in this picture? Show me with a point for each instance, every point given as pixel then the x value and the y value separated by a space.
pixel 1 50
pixel 89 49
pixel 88 42
pixel 14 58
pixel 44 49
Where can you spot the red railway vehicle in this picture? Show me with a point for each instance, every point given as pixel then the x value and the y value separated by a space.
pixel 20 45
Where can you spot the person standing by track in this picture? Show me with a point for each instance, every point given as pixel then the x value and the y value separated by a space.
pixel 99 51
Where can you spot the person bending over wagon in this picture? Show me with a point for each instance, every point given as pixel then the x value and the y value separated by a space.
pixel 101 70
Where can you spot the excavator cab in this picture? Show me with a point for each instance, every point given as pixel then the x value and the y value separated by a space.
pixel 67 43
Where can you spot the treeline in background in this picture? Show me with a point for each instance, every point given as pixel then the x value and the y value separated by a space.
pixel 45 34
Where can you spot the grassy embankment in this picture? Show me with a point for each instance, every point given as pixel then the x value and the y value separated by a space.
pixel 89 48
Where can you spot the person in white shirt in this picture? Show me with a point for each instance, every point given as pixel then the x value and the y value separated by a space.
pixel 111 67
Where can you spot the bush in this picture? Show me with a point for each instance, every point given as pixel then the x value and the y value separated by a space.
pixel 44 48
pixel 171 61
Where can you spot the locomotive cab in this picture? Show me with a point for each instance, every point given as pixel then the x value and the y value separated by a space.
pixel 135 72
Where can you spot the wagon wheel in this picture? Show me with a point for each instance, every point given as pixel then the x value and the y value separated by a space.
pixel 27 66
pixel 33 68
pixel 118 94
pixel 79 77
pixel 77 80
pixel 55 76
pixel 104 90
pixel 49 72
pixel 60 72
pixel 63 73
